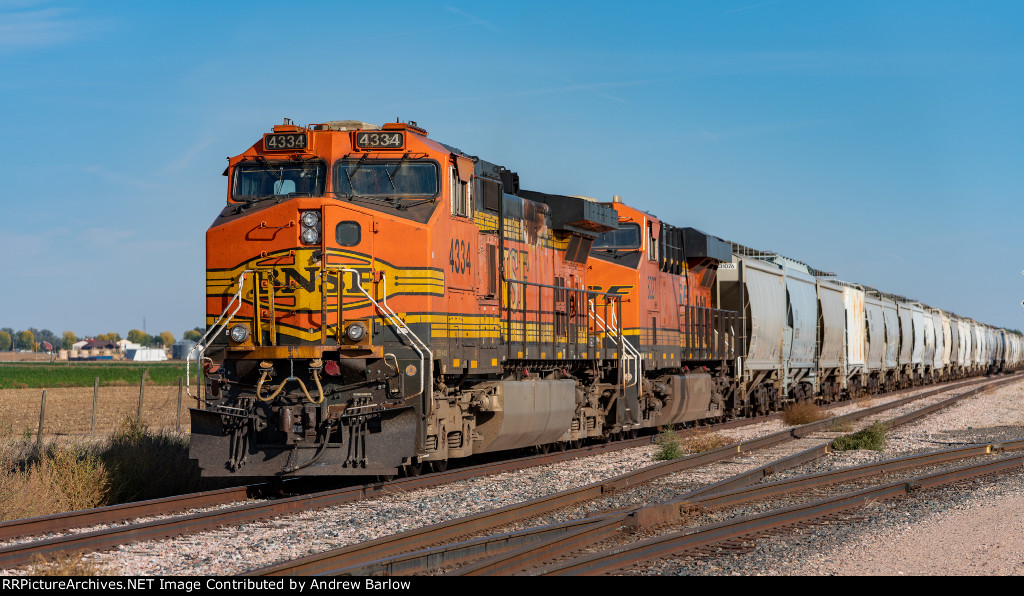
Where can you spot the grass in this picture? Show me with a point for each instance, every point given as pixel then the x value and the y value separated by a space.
pixel 146 464
pixel 799 413
pixel 134 463
pixel 52 479
pixel 672 446
pixel 872 437
pixel 71 374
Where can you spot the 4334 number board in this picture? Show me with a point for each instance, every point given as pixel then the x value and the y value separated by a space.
pixel 285 142
pixel 380 140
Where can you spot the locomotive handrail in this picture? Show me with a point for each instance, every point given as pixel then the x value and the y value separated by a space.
pixel 634 352
pixel 708 333
pixel 556 338
pixel 215 330
pixel 402 329
pixel 613 331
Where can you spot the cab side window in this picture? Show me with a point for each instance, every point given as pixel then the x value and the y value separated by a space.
pixel 461 197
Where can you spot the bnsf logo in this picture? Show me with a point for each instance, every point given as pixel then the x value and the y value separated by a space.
pixel 290 279
pixel 617 290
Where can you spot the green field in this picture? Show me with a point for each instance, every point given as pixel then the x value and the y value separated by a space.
pixel 79 374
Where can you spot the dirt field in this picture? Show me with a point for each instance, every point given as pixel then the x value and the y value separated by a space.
pixel 24 357
pixel 69 409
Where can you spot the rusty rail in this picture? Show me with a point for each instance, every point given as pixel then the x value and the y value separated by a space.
pixel 375 556
pixel 681 542
pixel 542 551
pixel 20 554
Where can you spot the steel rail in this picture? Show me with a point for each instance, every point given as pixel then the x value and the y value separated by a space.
pixel 505 559
pixel 677 509
pixel 61 522
pixel 546 549
pixel 516 551
pixel 700 499
pixel 792 461
pixel 680 542
pixel 342 559
pixel 26 552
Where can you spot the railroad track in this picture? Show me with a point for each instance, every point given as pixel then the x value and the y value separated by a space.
pixel 175 525
pixel 19 554
pixel 417 551
pixel 728 534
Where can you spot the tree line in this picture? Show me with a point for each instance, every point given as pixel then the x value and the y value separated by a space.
pixel 34 340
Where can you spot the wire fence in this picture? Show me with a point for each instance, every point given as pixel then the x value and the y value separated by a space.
pixel 92 411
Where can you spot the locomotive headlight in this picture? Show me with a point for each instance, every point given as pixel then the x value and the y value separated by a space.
pixel 310 219
pixel 239 333
pixel 355 332
pixel 310 236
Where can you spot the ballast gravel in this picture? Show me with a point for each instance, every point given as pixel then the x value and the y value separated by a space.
pixel 893 538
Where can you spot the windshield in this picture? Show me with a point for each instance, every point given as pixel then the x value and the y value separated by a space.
pixel 627 236
pixel 390 178
pixel 257 180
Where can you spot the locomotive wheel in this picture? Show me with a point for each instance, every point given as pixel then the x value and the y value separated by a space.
pixel 415 469
pixel 542 449
pixel 439 465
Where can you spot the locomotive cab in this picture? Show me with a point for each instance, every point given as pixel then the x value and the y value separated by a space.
pixel 308 366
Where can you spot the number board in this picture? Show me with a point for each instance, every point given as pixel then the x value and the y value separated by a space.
pixel 380 140
pixel 284 142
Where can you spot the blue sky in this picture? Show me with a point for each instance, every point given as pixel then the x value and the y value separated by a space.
pixel 880 140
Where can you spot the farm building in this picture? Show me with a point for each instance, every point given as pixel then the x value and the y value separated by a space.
pixel 145 354
pixel 95 344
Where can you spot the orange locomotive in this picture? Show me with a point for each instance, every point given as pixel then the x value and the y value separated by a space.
pixel 378 301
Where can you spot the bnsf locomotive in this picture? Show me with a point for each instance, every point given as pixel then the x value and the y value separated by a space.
pixel 378 302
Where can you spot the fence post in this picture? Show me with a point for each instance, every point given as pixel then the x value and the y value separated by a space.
pixel 181 384
pixel 142 391
pixel 42 414
pixel 95 395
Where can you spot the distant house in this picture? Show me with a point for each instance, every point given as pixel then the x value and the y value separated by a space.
pixel 124 345
pixel 78 345
pixel 95 344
